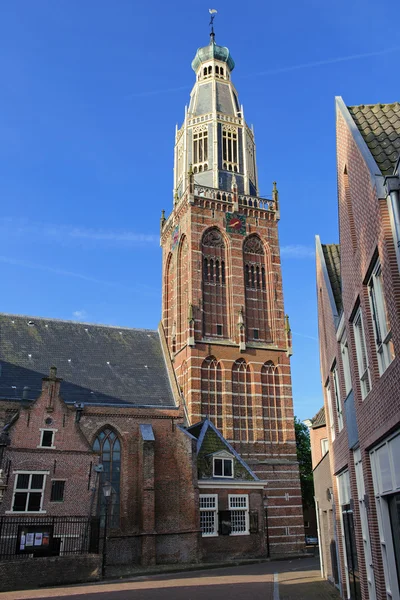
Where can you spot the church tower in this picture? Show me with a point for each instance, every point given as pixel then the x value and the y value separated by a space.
pixel 223 319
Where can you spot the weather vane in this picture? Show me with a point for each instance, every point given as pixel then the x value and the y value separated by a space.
pixel 212 12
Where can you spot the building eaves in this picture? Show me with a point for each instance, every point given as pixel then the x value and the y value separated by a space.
pixel 332 261
pixel 319 420
pixel 379 125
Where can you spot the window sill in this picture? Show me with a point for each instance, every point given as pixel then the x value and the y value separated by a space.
pixel 239 533
pixel 209 535
pixel 47 447
pixel 25 512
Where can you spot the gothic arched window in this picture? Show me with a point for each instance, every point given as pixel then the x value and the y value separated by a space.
pixel 242 406
pixel 215 317
pixel 109 447
pixel 271 402
pixel 211 391
pixel 183 291
pixel 169 299
pixel 257 323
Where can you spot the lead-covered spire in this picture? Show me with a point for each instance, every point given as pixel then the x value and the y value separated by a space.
pixel 214 139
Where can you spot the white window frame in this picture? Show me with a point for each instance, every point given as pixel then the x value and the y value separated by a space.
pixel 336 389
pixel 200 148
pixel 361 353
pixel 28 490
pixel 344 352
pixel 233 500
pixel 382 333
pixel 42 430
pixel 330 411
pixel 324 446
pixel 223 458
pixel 213 499
pixel 230 148
pixel 344 496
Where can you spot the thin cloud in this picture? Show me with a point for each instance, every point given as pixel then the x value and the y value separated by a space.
pixel 80 314
pixel 297 251
pixel 28 265
pixel 303 335
pixel 328 61
pixel 62 233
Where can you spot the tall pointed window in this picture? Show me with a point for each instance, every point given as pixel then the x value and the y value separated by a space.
pixel 183 292
pixel 230 148
pixel 211 391
pixel 271 402
pixel 200 148
pixel 169 300
pixel 242 406
pixel 215 317
pixel 109 447
pixel 256 290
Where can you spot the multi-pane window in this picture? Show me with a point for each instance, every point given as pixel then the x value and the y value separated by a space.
pixel 223 467
pixel 208 514
pixel 57 491
pixel 230 148
pixel 324 446
pixel 382 333
pixel 109 447
pixel 28 492
pixel 336 388
pixel 239 507
pixel 330 411
pixel 200 150
pixel 362 359
pixel 344 351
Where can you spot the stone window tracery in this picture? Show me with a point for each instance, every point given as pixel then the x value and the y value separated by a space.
pixel 200 149
pixel 215 318
pixel 271 402
pixel 242 406
pixel 230 148
pixel 108 445
pixel 211 391
pixel 255 279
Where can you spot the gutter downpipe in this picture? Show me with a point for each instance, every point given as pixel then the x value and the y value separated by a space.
pixel 392 186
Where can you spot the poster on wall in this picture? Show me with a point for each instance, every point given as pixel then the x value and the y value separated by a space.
pixel 35 539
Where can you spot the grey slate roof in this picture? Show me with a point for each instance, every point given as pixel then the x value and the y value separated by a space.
pixel 332 260
pixel 319 419
pixel 99 364
pixel 379 124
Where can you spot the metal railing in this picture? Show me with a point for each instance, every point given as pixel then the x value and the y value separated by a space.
pixel 26 536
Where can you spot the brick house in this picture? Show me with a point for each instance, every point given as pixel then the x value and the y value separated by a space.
pixel 324 505
pixel 146 404
pixel 358 289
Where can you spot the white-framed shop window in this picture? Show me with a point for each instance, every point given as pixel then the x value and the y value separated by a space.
pixel 338 405
pixel 28 493
pixel 361 353
pixel 364 524
pixel 344 352
pixel 208 514
pixel 382 332
pixel 239 507
pixel 330 410
pixel 385 464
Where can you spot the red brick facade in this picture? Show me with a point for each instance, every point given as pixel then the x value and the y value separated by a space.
pixel 370 414
pixel 242 384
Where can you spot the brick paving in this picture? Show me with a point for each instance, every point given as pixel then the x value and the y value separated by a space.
pixel 297 579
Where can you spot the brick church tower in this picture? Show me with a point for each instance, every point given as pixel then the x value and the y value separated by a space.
pixel 223 318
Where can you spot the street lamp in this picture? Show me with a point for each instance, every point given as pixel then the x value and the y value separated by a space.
pixel 107 491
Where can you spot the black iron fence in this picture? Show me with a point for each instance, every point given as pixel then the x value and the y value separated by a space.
pixel 29 536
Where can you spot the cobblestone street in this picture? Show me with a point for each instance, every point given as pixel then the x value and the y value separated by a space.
pixel 281 580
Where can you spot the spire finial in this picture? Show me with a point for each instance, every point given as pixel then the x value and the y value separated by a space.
pixel 212 12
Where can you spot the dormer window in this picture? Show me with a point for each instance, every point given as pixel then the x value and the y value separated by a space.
pixel 223 467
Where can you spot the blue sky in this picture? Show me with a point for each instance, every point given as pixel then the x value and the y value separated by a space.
pixel 90 95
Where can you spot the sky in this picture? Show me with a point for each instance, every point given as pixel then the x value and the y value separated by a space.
pixel 90 95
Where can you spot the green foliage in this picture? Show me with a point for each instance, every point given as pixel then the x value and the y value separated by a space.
pixel 303 448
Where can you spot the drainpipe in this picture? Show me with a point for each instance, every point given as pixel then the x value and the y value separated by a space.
pixel 321 557
pixel 392 186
